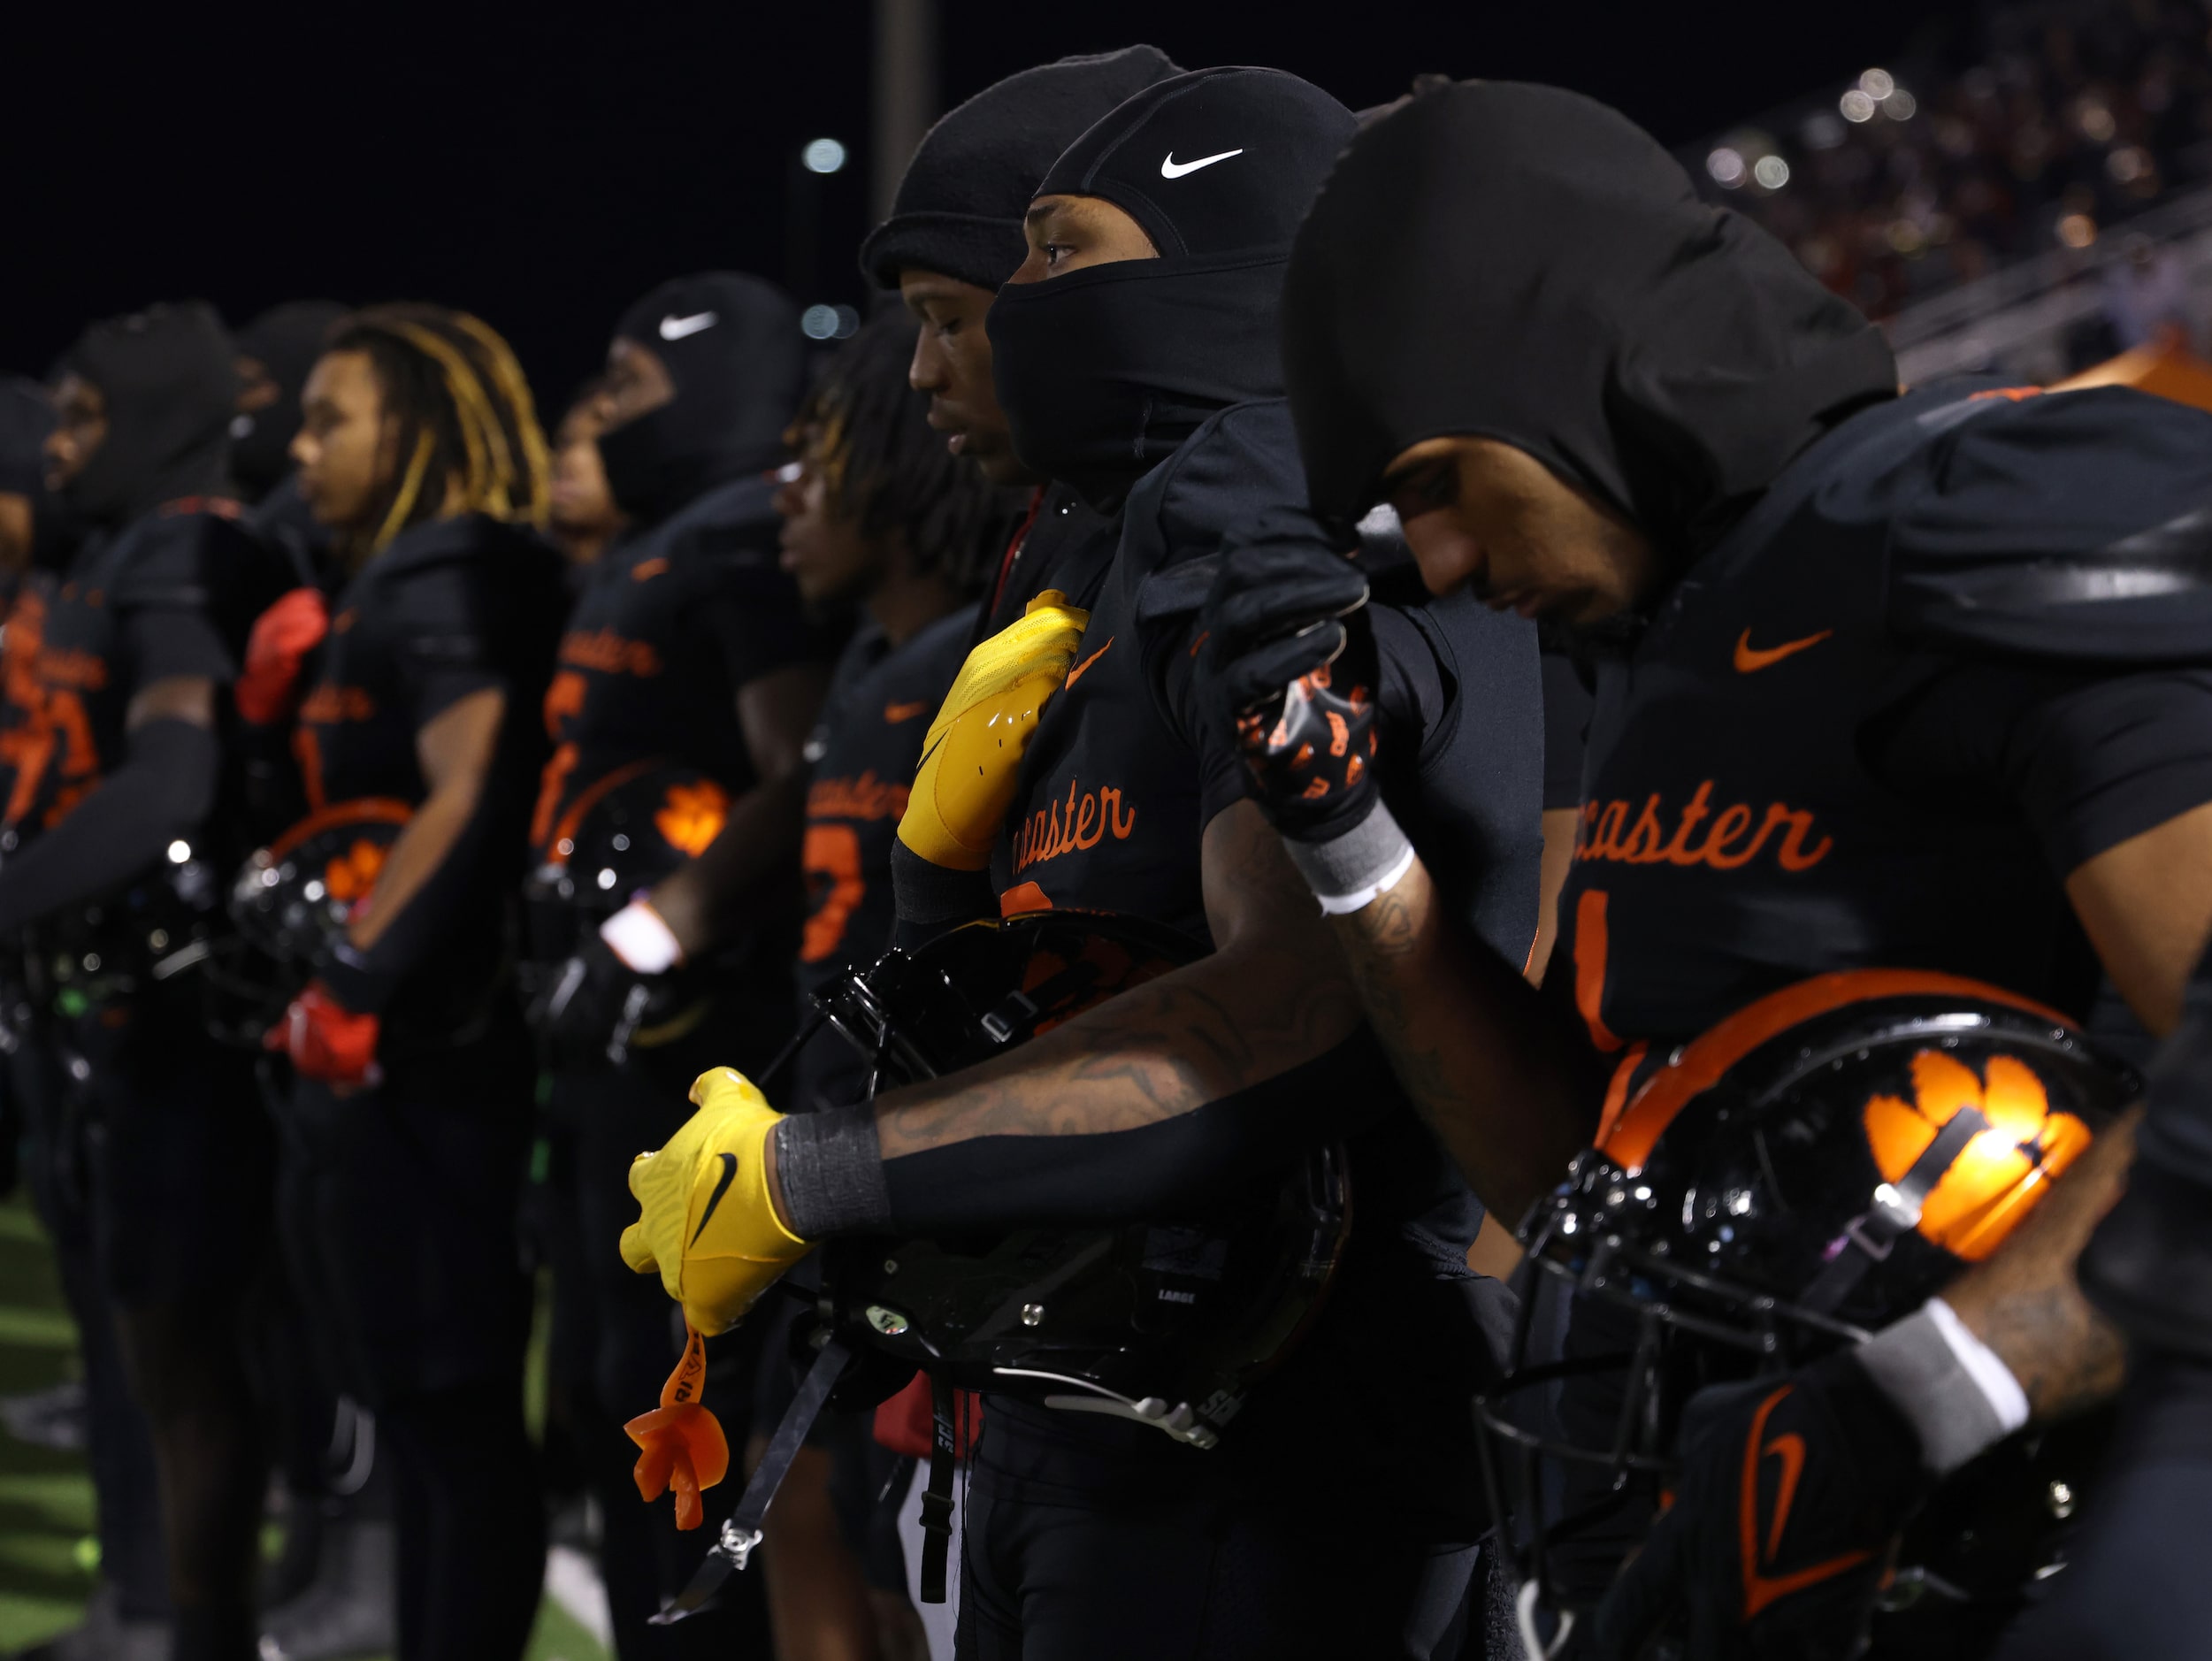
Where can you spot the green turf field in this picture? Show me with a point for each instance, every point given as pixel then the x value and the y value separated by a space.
pixel 47 1552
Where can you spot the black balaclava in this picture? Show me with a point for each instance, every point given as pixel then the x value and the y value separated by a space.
pixel 732 347
pixel 1104 371
pixel 169 380
pixel 285 340
pixel 1519 263
pixel 960 206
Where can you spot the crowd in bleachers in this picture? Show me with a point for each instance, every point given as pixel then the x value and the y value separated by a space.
pixel 2066 120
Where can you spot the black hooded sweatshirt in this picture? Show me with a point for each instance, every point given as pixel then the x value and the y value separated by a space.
pixel 168 585
pixel 691 605
pixel 1920 658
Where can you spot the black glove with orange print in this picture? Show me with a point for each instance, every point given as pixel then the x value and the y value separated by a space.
pixel 1785 1522
pixel 1294 671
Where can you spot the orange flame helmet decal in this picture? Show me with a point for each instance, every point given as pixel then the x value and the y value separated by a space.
pixel 1941 1048
pixel 692 815
pixel 1999 1176
pixel 352 871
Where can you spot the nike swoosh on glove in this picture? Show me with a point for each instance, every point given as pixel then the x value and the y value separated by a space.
pixel 706 1222
pixel 1791 1495
pixel 973 749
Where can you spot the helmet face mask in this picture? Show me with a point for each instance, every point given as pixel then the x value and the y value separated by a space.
pixel 1814 1167
pixel 1167 1321
pixel 622 834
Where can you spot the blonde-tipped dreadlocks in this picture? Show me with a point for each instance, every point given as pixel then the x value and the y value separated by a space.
pixel 465 429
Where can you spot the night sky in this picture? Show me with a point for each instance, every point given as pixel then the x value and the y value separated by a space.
pixel 544 165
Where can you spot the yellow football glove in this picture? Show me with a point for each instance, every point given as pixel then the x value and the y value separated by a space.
pixel 707 1223
pixel 965 783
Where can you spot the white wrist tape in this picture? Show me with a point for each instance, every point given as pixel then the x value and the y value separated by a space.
pixel 637 935
pixel 1957 1390
pixel 1356 869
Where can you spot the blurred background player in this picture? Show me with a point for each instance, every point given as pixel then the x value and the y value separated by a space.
pixel 688 673
pixel 878 515
pixel 121 799
pixel 409 1111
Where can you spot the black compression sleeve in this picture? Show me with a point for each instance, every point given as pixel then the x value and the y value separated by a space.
pixel 161 792
pixel 1180 1166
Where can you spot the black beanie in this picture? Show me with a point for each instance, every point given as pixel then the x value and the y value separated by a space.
pixel 169 380
pixel 958 208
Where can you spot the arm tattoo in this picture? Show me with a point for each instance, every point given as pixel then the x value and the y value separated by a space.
pixel 2024 1302
pixel 1275 995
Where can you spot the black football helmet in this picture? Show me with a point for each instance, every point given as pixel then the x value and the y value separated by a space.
pixel 1167 1322
pixel 622 833
pixel 290 903
pixel 1813 1167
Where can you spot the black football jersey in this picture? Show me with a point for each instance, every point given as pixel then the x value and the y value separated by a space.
pixel 449 610
pixel 1956 649
pixel 668 627
pixel 863 755
pixel 116 622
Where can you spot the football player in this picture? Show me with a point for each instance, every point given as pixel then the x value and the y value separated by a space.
pixel 1135 357
pixel 409 1114
pixel 1900 680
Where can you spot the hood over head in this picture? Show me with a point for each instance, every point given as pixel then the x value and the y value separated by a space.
pixel 960 206
pixel 1521 262
pixel 170 381
pixel 1103 373
pixel 732 347
pixel 286 340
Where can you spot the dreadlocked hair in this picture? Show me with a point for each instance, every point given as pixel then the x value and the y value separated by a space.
pixel 887 469
pixel 466 435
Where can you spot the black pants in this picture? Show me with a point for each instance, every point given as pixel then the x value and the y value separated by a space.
pixel 57 1170
pixel 1340 1515
pixel 1199 1574
pixel 179 1156
pixel 398 1209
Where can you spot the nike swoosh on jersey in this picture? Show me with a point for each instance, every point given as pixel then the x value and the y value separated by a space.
pixel 1751 659
pixel 1076 674
pixel 895 713
pixel 675 328
pixel 721 1187
pixel 1171 168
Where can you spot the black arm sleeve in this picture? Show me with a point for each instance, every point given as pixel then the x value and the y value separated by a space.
pixel 162 791
pixel 1185 1166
